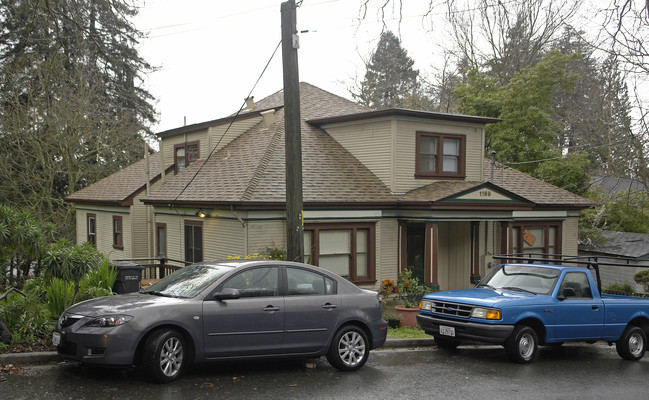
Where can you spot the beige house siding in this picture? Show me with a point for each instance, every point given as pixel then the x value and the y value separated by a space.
pixel 104 231
pixel 371 143
pixel 265 234
pixel 222 135
pixel 454 249
pixel 140 229
pixel 570 235
pixel 406 155
pixel 387 250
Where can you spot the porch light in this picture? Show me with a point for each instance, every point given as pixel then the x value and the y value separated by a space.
pixel 201 214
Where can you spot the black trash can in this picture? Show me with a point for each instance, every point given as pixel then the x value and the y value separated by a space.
pixel 129 277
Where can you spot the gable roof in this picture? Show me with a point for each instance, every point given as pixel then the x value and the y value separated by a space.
pixel 120 187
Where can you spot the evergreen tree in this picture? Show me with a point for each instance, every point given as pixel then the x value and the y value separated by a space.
pixel 71 108
pixel 390 80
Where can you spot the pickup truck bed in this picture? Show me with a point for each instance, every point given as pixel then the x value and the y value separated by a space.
pixel 523 305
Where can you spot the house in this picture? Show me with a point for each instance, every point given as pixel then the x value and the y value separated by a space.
pixel 627 248
pixel 383 191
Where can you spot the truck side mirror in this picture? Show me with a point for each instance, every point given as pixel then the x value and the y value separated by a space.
pixel 566 292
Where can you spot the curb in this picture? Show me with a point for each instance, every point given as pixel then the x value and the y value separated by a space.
pixel 46 357
pixel 22 359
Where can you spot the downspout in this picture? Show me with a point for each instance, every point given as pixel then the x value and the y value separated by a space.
pixel 149 222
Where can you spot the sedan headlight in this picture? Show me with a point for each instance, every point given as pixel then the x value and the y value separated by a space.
pixel 486 313
pixel 109 320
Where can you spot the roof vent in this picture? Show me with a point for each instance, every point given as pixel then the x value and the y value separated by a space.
pixel 250 103
pixel 269 117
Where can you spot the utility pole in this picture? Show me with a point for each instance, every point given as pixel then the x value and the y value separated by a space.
pixel 293 135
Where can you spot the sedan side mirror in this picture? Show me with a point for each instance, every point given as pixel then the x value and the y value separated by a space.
pixel 226 294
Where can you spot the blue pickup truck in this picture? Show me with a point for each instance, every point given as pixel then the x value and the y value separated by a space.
pixel 522 306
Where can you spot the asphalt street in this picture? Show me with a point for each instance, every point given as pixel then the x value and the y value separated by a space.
pixel 572 371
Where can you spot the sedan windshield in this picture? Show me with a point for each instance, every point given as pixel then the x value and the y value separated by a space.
pixel 522 278
pixel 189 281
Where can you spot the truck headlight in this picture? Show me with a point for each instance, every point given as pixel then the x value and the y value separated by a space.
pixel 426 305
pixel 486 313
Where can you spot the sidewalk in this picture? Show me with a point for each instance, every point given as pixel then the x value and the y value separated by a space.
pixel 24 359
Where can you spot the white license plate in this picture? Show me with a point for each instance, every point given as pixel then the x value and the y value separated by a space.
pixel 56 339
pixel 447 330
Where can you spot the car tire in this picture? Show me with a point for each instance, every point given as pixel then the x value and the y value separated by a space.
pixel 349 349
pixel 164 356
pixel 446 344
pixel 522 346
pixel 632 344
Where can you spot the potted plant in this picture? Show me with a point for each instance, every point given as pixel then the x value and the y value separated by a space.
pixel 410 291
pixel 387 293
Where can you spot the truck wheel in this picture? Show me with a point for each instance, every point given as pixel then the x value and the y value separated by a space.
pixel 164 355
pixel 632 344
pixel 349 350
pixel 446 344
pixel 522 345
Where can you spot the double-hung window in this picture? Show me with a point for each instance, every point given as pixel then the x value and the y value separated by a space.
pixel 185 154
pixel 346 249
pixel 91 220
pixel 118 235
pixel 440 155
pixel 193 241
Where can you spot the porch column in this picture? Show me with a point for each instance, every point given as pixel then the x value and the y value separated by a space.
pixel 432 247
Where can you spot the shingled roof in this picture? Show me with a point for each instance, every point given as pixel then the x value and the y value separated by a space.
pixel 120 187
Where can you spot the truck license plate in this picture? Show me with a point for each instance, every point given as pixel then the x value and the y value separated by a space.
pixel 56 339
pixel 447 330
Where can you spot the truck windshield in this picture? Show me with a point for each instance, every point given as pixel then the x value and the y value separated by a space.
pixel 524 278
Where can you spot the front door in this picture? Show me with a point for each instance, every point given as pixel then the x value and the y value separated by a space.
pixel 416 249
pixel 250 325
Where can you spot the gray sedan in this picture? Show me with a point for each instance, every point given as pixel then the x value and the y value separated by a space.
pixel 226 310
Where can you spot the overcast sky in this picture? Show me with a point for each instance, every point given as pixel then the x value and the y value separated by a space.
pixel 211 53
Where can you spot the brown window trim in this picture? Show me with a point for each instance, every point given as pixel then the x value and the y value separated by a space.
pixel 185 145
pixel 461 174
pixel 371 247
pixel 157 239
pixel 546 234
pixel 118 244
pixel 94 241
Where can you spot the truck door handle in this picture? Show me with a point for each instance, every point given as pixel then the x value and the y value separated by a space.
pixel 271 308
pixel 595 307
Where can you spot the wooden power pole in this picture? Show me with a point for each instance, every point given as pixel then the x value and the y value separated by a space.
pixel 293 135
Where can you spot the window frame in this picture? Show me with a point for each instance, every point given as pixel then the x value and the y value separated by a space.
pixel 118 237
pixel 194 224
pixel 439 157
pixel 188 160
pixel 91 237
pixel 517 240
pixel 370 278
pixel 158 226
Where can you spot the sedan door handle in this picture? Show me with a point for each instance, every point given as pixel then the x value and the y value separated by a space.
pixel 330 306
pixel 271 308
pixel 594 307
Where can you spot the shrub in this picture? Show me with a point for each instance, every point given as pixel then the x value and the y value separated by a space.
pixel 27 318
pixel 624 288
pixel 642 278
pixel 410 290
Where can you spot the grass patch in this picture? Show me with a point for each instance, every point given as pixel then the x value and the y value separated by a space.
pixel 406 332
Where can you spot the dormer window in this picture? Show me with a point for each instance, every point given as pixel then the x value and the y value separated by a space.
pixel 185 154
pixel 440 156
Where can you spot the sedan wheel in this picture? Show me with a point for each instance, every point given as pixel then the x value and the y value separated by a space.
pixel 164 355
pixel 349 350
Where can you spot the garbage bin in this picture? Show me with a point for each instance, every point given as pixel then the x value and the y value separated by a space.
pixel 129 277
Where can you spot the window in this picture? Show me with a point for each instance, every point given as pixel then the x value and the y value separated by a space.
pixel 255 282
pixel 91 220
pixel 347 250
pixel 118 237
pixel 161 239
pixel 578 282
pixel 302 282
pixel 440 155
pixel 193 241
pixel 537 238
pixel 185 154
